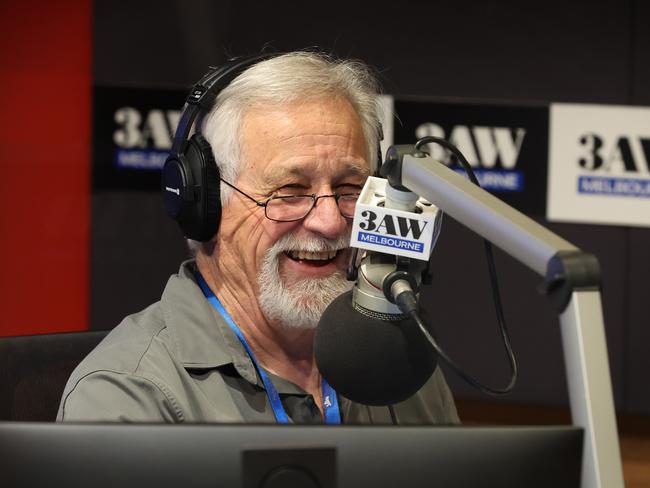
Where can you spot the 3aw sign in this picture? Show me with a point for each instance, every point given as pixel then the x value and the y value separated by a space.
pixel 506 145
pixel 143 137
pixel 492 151
pixel 390 231
pixel 599 168
pixel 133 131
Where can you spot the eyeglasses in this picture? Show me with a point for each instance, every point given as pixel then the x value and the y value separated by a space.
pixel 297 207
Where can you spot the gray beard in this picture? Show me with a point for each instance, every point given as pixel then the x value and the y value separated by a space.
pixel 301 303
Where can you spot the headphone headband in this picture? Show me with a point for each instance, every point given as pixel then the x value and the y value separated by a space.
pixel 190 180
pixel 205 91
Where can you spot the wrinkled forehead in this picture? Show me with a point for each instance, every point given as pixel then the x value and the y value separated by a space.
pixel 303 137
pixel 310 167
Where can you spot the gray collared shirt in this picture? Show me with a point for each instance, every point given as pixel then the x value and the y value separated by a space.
pixel 178 361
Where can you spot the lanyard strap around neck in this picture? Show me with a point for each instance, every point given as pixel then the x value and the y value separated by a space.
pixel 330 400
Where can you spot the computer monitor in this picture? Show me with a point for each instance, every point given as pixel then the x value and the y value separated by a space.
pixel 199 455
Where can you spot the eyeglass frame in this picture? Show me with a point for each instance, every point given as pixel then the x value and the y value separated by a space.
pixel 313 196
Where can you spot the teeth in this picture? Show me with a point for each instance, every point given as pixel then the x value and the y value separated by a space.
pixel 315 256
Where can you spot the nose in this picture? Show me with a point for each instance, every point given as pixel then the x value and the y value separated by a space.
pixel 325 219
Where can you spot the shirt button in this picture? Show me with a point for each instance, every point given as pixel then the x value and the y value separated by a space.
pixel 311 405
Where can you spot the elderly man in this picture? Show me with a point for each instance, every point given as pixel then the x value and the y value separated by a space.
pixel 231 339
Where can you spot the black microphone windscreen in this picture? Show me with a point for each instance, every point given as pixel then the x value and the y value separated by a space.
pixel 371 361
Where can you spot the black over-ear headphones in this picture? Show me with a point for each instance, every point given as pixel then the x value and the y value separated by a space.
pixel 190 177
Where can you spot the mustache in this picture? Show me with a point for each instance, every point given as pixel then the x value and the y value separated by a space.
pixel 291 242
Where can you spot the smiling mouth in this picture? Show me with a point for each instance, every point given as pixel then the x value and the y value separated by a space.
pixel 319 258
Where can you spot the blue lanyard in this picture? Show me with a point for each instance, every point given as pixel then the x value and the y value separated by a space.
pixel 330 400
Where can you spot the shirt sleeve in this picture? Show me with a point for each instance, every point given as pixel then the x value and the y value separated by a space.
pixel 449 413
pixel 432 404
pixel 108 396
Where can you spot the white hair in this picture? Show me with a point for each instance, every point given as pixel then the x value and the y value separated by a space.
pixel 289 77
pixel 285 78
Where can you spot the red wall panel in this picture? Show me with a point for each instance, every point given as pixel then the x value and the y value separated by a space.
pixel 45 100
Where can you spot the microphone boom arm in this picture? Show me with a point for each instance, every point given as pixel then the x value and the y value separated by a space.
pixel 571 281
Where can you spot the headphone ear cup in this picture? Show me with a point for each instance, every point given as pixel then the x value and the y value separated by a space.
pixel 201 210
pixel 211 190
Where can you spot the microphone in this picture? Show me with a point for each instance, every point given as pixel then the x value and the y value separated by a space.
pixel 368 349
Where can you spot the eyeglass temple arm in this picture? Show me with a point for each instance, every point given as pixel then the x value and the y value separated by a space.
pixel 259 204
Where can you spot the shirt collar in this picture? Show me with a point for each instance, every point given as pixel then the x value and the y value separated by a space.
pixel 202 338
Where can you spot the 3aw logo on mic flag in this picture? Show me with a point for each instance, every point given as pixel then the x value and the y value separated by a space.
pixel 390 231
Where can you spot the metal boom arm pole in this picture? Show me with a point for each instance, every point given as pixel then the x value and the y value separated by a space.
pixel 572 284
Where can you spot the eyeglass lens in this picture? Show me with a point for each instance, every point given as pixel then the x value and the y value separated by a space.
pixel 295 208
